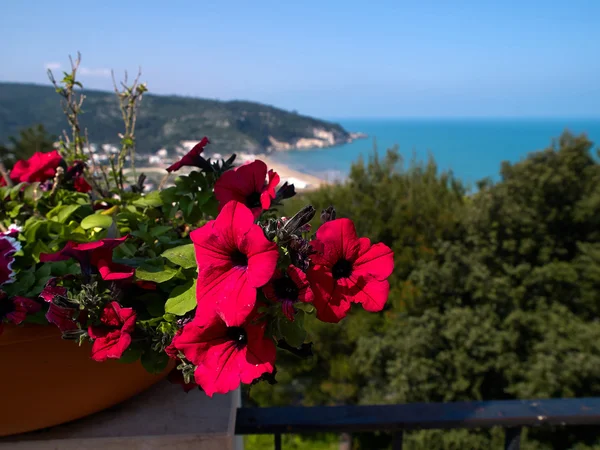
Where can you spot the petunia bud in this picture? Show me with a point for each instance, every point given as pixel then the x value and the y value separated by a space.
pixel 300 219
pixel 285 191
pixel 74 335
pixel 328 214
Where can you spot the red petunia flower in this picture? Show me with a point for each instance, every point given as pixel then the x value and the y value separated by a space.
pixel 247 185
pixel 8 248
pixel 234 259
pixel 74 174
pixel 113 337
pixel 192 158
pixel 226 356
pixel 289 288
pixel 40 167
pixel 349 269
pixel 15 309
pixel 64 318
pixel 96 254
pixel 81 185
pixel 51 291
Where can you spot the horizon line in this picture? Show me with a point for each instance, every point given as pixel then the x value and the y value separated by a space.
pixel 353 117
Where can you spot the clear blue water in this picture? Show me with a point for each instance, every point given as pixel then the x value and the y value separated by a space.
pixel 471 148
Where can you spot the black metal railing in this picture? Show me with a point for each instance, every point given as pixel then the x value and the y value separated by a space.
pixel 512 415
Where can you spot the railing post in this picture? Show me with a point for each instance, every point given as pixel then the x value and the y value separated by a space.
pixel 397 443
pixel 512 438
pixel 278 441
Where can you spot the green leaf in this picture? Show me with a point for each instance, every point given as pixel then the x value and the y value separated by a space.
pixel 151 199
pixel 154 362
pixel 183 256
pixel 154 302
pixel 182 299
pixel 96 221
pixel 293 332
pixel 15 211
pixel 37 318
pixel 132 354
pixel 44 271
pixel 25 281
pixel 157 231
pixel 66 212
pixel 169 195
pixel 154 273
pixel 16 189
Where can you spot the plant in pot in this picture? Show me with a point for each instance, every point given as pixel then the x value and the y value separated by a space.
pixel 200 280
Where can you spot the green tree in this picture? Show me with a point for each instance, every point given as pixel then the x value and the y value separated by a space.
pixel 508 307
pixel 408 208
pixel 30 140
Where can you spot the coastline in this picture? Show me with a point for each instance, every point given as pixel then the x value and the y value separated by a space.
pixel 321 140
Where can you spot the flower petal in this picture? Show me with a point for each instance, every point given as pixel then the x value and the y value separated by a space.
pixel 206 330
pixel 262 256
pixel 211 251
pixel 373 260
pixel 230 295
pixel 370 293
pixel 331 306
pixel 339 240
pixel 232 224
pixel 238 184
pixel 260 355
pixel 219 370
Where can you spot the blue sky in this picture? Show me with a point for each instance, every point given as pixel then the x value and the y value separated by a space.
pixel 327 58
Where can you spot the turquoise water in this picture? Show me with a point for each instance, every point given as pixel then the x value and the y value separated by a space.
pixel 471 148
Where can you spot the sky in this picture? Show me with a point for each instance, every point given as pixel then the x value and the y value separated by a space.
pixel 327 58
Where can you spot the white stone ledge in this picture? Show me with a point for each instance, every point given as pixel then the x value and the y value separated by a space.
pixel 163 417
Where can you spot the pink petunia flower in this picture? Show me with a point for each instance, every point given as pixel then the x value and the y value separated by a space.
pixel 247 185
pixel 96 254
pixel 192 158
pixel 8 248
pixel 113 337
pixel 349 269
pixel 13 231
pixel 226 356
pixel 288 288
pixel 234 259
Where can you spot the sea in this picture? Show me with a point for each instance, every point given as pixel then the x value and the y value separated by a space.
pixel 471 148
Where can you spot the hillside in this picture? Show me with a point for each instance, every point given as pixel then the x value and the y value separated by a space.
pixel 165 121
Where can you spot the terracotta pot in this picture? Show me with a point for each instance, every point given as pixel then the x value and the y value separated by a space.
pixel 47 381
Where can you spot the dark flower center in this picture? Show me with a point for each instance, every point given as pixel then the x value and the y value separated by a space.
pixel 286 289
pixel 253 200
pixel 6 307
pixel 238 336
pixel 239 259
pixel 342 269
